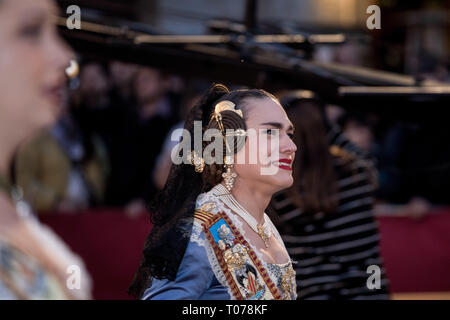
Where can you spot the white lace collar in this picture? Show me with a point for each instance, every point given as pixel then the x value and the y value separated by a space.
pixel 219 206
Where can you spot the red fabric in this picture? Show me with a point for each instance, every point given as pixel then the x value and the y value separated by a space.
pixel 416 253
pixel 110 244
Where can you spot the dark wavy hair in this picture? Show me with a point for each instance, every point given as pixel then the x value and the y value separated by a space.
pixel 172 210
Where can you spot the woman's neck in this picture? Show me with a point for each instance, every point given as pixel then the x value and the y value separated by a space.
pixel 8 147
pixel 6 154
pixel 252 198
pixel 8 214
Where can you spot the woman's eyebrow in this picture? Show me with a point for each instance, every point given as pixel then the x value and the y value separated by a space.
pixel 35 15
pixel 278 125
pixel 273 124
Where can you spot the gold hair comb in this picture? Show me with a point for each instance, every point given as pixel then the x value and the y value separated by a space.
pixel 227 105
pixel 224 106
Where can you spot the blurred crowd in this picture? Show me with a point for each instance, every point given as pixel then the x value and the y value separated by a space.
pixel 111 146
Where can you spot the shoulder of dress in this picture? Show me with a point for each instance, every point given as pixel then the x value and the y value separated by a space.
pixel 7 249
pixel 205 213
pixel 207 202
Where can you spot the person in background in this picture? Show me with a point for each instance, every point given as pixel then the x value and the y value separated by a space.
pixel 326 218
pixel 143 135
pixel 65 169
pixel 151 88
pixel 92 92
pixel 193 93
pixel 122 75
pixel 33 261
pixel 121 107
pixel 104 105
pixel 360 130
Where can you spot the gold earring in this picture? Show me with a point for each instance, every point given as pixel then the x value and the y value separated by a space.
pixel 229 176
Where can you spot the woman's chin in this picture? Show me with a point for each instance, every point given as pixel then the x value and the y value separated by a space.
pixel 44 122
pixel 288 182
pixel 51 112
pixel 281 182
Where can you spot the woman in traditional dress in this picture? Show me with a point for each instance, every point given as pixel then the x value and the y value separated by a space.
pixel 211 237
pixel 34 263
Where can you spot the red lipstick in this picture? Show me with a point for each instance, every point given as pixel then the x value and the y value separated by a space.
pixel 285 164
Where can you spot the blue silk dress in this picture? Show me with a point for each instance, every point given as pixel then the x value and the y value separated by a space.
pixel 195 280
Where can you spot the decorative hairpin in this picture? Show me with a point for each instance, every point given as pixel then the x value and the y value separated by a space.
pixel 227 105
pixel 224 106
pixel 197 161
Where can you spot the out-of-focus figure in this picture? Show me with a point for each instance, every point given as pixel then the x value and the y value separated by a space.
pixel 65 168
pixel 194 91
pixel 326 218
pixel 143 130
pixel 359 129
pixel 34 262
pixel 122 77
pixel 105 109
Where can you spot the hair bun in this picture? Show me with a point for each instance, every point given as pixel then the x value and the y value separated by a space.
pixel 202 110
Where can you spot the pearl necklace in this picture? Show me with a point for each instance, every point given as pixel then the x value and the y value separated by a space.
pixel 15 194
pixel 227 198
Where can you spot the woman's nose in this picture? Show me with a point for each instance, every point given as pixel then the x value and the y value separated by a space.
pixel 288 146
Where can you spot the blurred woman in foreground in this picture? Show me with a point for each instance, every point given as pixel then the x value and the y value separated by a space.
pixel 34 263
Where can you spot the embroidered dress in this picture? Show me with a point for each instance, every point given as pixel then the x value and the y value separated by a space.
pixel 22 277
pixel 220 264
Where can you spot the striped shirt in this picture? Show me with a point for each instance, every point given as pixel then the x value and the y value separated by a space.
pixel 333 251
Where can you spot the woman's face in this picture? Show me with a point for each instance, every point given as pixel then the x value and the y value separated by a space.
pixel 272 170
pixel 32 62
